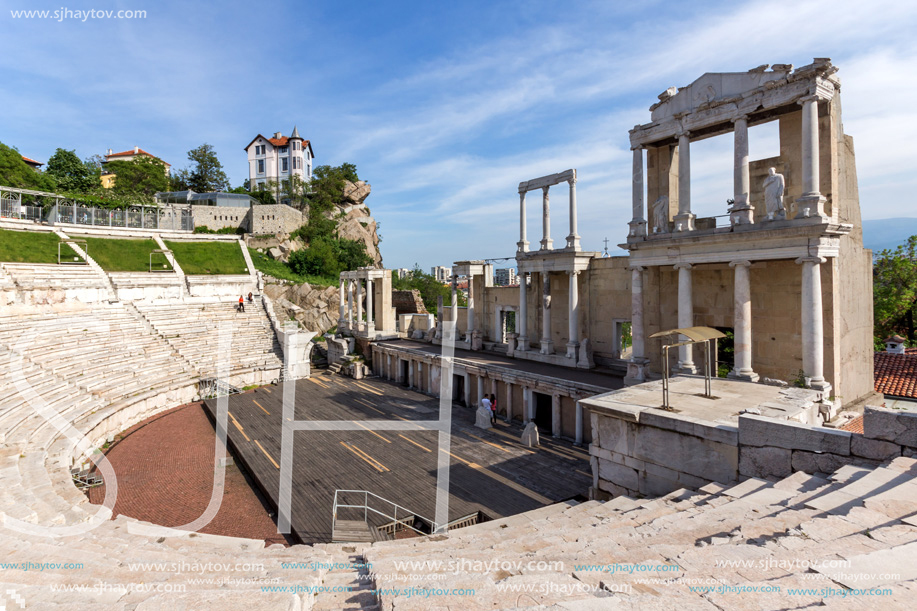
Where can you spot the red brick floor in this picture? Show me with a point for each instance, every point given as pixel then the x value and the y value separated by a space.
pixel 165 476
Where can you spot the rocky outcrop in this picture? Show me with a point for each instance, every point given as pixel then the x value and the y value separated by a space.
pixel 408 302
pixel 357 224
pixel 315 307
pixel 355 193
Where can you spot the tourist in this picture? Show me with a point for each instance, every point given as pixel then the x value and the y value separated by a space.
pixel 250 298
pixel 493 410
pixel 241 307
pixel 485 402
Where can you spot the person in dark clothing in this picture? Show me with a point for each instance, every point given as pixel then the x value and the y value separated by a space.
pixel 250 298
pixel 493 410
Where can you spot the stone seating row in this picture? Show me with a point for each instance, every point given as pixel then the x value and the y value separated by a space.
pixel 42 275
pixel 799 521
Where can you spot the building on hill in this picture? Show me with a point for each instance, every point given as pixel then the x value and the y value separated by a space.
pixel 505 276
pixel 35 165
pixel 441 273
pixel 236 211
pixel 277 159
pixel 895 373
pixel 108 178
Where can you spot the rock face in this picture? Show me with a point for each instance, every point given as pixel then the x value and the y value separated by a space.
pixel 315 307
pixel 355 193
pixel 358 225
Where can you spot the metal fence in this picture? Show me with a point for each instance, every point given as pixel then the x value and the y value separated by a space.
pixel 14 210
pixel 169 217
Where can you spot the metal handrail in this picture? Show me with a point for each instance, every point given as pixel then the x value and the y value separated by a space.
pixel 366 509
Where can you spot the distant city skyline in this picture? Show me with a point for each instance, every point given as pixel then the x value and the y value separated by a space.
pixel 444 109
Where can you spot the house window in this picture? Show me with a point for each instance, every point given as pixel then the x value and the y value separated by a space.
pixel 283 150
pixel 284 163
pixel 261 167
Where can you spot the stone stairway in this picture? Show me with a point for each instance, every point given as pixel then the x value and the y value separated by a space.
pixel 858 516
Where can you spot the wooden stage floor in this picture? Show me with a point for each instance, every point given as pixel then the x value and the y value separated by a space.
pixel 490 470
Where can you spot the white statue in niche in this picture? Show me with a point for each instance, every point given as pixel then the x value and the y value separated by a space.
pixel 774 186
pixel 661 214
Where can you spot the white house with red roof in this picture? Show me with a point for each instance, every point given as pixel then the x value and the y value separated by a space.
pixel 35 165
pixel 277 159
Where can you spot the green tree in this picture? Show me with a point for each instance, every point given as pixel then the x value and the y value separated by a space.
pixel 430 288
pixel 14 172
pixel 180 180
pixel 327 186
pixel 320 259
pixel 71 174
pixel 351 254
pixel 139 178
pixel 206 175
pixel 895 291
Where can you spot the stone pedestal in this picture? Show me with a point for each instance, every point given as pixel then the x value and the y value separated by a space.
pixel 482 418
pixel 637 371
pixel 477 340
pixel 530 436
pixel 585 360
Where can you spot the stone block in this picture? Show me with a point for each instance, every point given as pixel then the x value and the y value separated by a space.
pixel 760 431
pixel 875 449
pixel 686 453
pixel 813 462
pixel 617 474
pixel 890 425
pixel 657 485
pixel 614 434
pixel 765 462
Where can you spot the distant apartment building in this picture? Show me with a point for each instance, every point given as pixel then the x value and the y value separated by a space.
pixel 441 273
pixel 403 272
pixel 505 277
pixel 108 178
pixel 275 160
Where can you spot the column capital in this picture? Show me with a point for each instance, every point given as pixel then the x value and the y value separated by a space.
pixel 809 98
pixel 683 133
pixel 545 189
pixel 571 182
pixel 811 259
pixel 740 263
pixel 739 118
pixel 682 266
pixel 637 147
pixel 574 272
pixel 637 268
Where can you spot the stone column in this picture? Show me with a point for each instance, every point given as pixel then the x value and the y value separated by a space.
pixel 685 316
pixel 410 373
pixel 419 377
pixel 370 318
pixel 742 213
pixel 350 305
pixel 471 320
pixel 812 202
pixel 555 416
pixel 638 223
pixel 636 367
pixel 813 349
pixel 359 298
pixel 526 405
pixel 573 239
pixel 742 326
pixel 454 306
pixel 547 344
pixel 342 307
pixel 579 424
pixel 430 380
pixel 523 243
pixel 546 242
pixel 480 390
pixel 467 385
pixel 684 220
pixel 388 367
pixel 509 402
pixel 522 318
pixel 573 331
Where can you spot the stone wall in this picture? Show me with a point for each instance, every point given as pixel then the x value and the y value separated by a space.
pixel 408 302
pixel 220 217
pixel 274 219
pixel 653 452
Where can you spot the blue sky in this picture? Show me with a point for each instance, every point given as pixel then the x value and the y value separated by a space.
pixel 445 107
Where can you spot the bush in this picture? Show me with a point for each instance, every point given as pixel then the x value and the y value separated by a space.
pixel 223 231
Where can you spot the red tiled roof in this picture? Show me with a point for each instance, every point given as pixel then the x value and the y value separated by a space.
pixel 132 153
pixel 854 426
pixel 280 142
pixel 27 160
pixel 895 374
